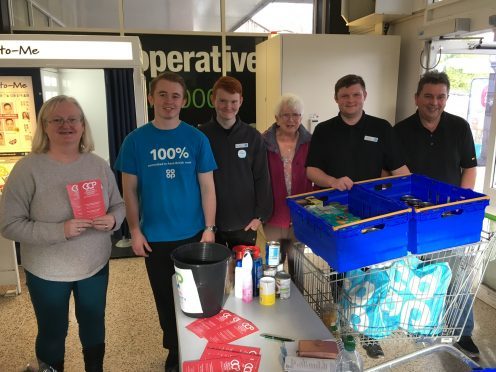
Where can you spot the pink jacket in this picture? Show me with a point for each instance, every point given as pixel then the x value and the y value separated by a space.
pixel 299 181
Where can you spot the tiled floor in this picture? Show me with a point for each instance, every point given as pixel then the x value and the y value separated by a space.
pixel 134 337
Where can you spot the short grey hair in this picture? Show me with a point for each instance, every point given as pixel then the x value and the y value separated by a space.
pixel 290 100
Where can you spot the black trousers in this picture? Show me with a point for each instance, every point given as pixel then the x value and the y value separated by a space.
pixel 236 237
pixel 160 269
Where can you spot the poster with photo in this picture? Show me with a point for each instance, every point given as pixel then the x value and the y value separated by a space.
pixel 6 165
pixel 17 114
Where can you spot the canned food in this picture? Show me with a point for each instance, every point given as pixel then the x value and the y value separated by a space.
pixel 283 285
pixel 269 270
pixel 273 252
pixel 267 291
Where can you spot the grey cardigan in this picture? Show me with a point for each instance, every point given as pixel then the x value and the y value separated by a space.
pixel 35 205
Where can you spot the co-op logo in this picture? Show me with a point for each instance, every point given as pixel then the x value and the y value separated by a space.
pixel 86 186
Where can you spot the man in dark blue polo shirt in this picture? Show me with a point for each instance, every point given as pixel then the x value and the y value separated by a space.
pixel 351 147
pixel 440 145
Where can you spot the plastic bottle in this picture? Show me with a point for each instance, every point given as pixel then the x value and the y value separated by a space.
pixel 330 314
pixel 247 277
pixel 238 279
pixel 257 271
pixel 348 359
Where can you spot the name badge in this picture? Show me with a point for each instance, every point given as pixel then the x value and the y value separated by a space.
pixel 371 139
pixel 241 145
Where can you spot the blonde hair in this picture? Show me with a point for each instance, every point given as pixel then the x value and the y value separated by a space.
pixel 41 143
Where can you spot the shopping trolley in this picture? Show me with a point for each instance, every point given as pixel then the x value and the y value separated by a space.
pixel 425 297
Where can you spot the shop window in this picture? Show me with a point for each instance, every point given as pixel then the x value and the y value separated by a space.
pixel 287 17
pixel 472 75
pixel 172 15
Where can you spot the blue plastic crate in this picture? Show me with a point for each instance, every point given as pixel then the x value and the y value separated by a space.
pixel 381 235
pixel 454 219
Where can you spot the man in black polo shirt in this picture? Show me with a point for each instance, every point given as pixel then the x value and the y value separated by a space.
pixel 440 145
pixel 353 146
pixel 435 143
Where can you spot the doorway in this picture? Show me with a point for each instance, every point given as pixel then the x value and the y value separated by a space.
pixel 472 73
pixel 471 66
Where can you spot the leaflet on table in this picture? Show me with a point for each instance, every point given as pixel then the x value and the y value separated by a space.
pixel 295 363
pixel 200 326
pixel 224 327
pixel 302 364
pixel 240 362
pixel 225 357
pixel 214 348
pixel 86 199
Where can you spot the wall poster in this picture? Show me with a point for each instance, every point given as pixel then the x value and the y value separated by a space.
pixel 17 121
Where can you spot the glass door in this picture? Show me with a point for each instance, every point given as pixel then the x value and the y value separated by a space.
pixel 471 66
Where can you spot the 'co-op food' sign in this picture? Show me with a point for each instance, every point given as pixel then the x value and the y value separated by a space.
pixel 199 60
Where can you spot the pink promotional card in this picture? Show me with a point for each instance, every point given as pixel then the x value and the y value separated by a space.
pixel 215 349
pixel 200 326
pixel 237 362
pixel 231 332
pixel 86 199
pixel 219 355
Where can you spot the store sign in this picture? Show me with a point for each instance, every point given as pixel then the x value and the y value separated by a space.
pixel 203 61
pixel 198 59
pixel 66 50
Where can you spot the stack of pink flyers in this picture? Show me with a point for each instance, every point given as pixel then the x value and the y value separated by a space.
pixel 225 358
pixel 225 327
pixel 218 356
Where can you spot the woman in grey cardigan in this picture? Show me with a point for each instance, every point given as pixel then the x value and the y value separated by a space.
pixel 61 253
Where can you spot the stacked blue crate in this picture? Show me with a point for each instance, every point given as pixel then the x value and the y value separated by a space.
pixel 379 235
pixel 454 217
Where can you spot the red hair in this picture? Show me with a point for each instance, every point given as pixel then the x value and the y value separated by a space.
pixel 229 84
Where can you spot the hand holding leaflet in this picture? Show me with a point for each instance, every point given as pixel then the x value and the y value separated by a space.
pixel 86 199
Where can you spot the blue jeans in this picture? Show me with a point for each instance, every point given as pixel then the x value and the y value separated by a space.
pixel 51 305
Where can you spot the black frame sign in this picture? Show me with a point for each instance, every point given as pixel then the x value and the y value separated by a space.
pixel 198 59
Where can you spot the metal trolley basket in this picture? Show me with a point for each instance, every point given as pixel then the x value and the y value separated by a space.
pixel 425 298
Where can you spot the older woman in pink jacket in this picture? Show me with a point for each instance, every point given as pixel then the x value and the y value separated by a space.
pixel 287 143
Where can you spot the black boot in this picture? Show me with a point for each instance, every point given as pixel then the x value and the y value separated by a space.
pixel 45 367
pixel 93 358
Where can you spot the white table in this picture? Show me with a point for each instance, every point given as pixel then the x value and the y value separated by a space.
pixel 292 318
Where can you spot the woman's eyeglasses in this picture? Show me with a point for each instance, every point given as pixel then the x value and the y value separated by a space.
pixel 290 116
pixel 61 121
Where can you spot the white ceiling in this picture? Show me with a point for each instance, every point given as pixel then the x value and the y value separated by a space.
pixel 159 15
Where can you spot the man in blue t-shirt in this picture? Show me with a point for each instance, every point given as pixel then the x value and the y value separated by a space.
pixel 167 178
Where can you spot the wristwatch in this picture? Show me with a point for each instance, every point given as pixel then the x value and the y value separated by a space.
pixel 261 220
pixel 212 228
